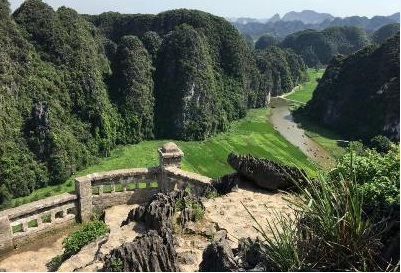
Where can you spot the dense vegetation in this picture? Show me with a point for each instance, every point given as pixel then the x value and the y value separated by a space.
pixel 72 87
pixel 359 95
pixel 72 244
pixel 382 34
pixel 318 47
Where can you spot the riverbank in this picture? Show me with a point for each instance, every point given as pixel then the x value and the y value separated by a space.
pixel 283 122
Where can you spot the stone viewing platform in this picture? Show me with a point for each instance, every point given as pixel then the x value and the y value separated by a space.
pixel 98 191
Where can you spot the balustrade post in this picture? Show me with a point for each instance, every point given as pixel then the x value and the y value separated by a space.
pixel 83 189
pixel 169 156
pixel 24 226
pixel 6 235
pixel 39 221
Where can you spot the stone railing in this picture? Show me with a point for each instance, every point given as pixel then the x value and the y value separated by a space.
pixel 98 191
pixel 25 223
pixel 178 179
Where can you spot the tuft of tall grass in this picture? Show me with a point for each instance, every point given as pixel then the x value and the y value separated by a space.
pixel 333 231
pixel 328 231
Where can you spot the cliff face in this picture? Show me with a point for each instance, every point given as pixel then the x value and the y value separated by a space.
pixel 360 95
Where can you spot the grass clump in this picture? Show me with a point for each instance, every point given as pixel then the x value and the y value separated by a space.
pixel 329 232
pixel 73 243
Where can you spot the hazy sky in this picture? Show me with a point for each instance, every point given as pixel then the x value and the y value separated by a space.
pixel 232 8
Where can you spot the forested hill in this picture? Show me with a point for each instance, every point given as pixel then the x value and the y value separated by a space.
pixel 318 47
pixel 359 95
pixel 72 86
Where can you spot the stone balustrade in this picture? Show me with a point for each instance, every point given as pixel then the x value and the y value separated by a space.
pixel 25 223
pixel 98 191
pixel 178 179
pixel 126 186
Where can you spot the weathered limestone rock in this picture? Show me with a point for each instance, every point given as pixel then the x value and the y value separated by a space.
pixel 159 211
pixel 226 183
pixel 218 257
pixel 265 173
pixel 147 253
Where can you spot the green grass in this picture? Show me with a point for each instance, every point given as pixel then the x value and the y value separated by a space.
pixel 250 135
pixel 325 138
pixel 304 92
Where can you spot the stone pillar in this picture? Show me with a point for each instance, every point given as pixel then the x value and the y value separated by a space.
pixel 83 189
pixel 6 235
pixel 169 156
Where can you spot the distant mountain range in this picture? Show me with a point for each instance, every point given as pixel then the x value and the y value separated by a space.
pixel 307 19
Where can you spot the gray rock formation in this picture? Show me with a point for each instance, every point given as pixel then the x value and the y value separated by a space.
pixel 218 257
pixel 159 211
pixel 147 253
pixel 226 183
pixel 267 174
pixel 155 250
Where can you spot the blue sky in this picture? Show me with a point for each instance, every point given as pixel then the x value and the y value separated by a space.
pixel 232 8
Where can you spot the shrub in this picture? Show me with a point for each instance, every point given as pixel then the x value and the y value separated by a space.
pixel 73 243
pixel 377 175
pixel 116 265
pixel 381 143
pixel 86 234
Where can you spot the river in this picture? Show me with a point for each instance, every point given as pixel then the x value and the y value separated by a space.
pixel 282 120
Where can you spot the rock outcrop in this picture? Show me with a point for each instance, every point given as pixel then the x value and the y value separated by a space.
pixel 147 253
pixel 219 257
pixel 159 211
pixel 226 183
pixel 155 250
pixel 267 174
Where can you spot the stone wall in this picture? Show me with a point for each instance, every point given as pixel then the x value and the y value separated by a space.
pixel 127 186
pixel 25 223
pixel 178 179
pixel 98 191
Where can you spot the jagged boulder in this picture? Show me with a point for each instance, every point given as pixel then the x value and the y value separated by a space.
pixel 226 183
pixel 218 257
pixel 147 253
pixel 265 173
pixel 159 211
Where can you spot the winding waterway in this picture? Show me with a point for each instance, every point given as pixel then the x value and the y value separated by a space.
pixel 283 122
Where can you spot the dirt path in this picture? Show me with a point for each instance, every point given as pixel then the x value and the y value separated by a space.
pixel 33 257
pixel 227 212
